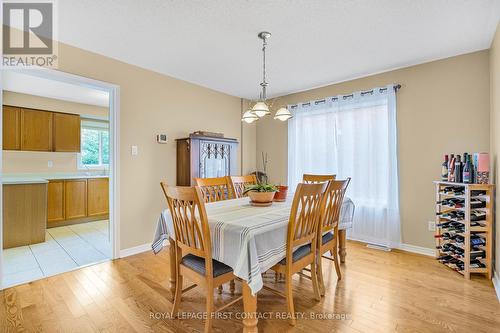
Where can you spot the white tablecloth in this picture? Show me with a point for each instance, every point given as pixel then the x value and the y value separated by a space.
pixel 248 239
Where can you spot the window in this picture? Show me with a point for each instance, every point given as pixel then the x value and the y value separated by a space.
pixel 94 145
pixel 352 136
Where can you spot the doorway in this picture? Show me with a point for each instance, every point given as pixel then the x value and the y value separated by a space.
pixel 69 178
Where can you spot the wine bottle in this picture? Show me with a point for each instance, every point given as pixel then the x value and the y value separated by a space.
pixel 477 215
pixel 467 171
pixel 451 168
pixel 476 203
pixel 477 254
pixel 458 169
pixel 444 168
pixel 476 264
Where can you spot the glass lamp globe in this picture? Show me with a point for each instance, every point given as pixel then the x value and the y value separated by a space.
pixel 260 109
pixel 283 114
pixel 249 117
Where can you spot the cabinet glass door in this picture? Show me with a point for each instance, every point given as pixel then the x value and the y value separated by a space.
pixel 214 159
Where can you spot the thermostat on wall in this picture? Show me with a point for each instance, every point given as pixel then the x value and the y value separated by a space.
pixel 161 138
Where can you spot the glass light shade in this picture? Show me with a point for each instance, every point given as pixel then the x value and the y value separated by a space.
pixel 283 114
pixel 249 117
pixel 260 109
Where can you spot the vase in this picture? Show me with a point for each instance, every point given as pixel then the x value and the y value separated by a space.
pixel 261 197
pixel 281 194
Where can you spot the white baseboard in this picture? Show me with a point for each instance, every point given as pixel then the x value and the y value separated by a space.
pixel 135 250
pixel 496 284
pixel 418 249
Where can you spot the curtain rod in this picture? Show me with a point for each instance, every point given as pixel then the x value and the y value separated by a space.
pixel 396 88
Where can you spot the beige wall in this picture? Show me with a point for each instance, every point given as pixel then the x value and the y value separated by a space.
pixel 249 143
pixel 443 107
pixel 151 103
pixel 495 129
pixel 37 162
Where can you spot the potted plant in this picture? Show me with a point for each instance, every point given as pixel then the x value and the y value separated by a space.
pixel 281 194
pixel 261 193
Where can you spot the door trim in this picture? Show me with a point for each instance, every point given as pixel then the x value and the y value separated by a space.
pixel 114 159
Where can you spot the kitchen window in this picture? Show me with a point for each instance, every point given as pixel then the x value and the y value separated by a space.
pixel 94 144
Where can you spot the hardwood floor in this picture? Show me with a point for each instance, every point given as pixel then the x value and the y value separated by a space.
pixel 379 292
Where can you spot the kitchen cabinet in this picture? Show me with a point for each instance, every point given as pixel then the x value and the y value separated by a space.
pixel 75 198
pixel 40 130
pixel 97 196
pixel 79 200
pixel 36 130
pixel 11 128
pixel 24 214
pixel 66 132
pixel 55 202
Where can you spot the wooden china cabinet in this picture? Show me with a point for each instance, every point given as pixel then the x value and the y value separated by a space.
pixel 201 156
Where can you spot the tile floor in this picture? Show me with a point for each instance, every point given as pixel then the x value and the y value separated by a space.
pixel 64 249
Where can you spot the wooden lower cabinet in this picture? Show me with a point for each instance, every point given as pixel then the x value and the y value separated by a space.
pixel 97 196
pixel 55 202
pixel 73 201
pixel 24 214
pixel 75 198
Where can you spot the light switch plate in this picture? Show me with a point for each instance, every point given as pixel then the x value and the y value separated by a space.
pixel 432 226
pixel 134 150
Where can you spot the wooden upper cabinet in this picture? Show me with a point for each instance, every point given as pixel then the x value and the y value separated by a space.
pixel 66 132
pixel 75 198
pixel 98 196
pixel 55 201
pixel 36 130
pixel 11 128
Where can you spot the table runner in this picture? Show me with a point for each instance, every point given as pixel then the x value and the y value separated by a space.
pixel 248 239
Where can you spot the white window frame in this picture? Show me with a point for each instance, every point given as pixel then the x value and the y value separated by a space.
pixel 101 165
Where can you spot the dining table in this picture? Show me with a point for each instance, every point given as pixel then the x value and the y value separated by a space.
pixel 248 239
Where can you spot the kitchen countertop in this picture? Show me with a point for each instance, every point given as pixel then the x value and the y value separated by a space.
pixel 41 178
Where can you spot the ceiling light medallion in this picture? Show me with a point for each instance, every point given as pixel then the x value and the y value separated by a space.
pixel 261 109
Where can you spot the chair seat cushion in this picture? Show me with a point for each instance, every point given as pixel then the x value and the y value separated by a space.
pixel 298 254
pixel 326 237
pixel 198 264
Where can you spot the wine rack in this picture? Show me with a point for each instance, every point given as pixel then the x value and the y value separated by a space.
pixel 468 208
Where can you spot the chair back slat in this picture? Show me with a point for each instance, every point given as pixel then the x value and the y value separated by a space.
pixel 305 214
pixel 334 197
pixel 187 209
pixel 215 189
pixel 312 179
pixel 239 182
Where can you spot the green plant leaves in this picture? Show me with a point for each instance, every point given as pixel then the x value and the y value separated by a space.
pixel 261 188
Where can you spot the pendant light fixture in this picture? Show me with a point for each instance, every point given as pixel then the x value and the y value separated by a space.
pixel 249 117
pixel 261 109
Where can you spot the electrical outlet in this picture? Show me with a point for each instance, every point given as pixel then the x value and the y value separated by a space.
pixel 50 164
pixel 432 226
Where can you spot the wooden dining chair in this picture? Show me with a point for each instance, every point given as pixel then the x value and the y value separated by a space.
pixel 302 236
pixel 215 189
pixel 328 231
pixel 238 184
pixel 193 248
pixel 312 179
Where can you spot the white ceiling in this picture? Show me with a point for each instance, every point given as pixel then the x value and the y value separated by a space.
pixel 315 42
pixel 15 81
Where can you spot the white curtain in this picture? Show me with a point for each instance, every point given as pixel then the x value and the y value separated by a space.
pixel 352 136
